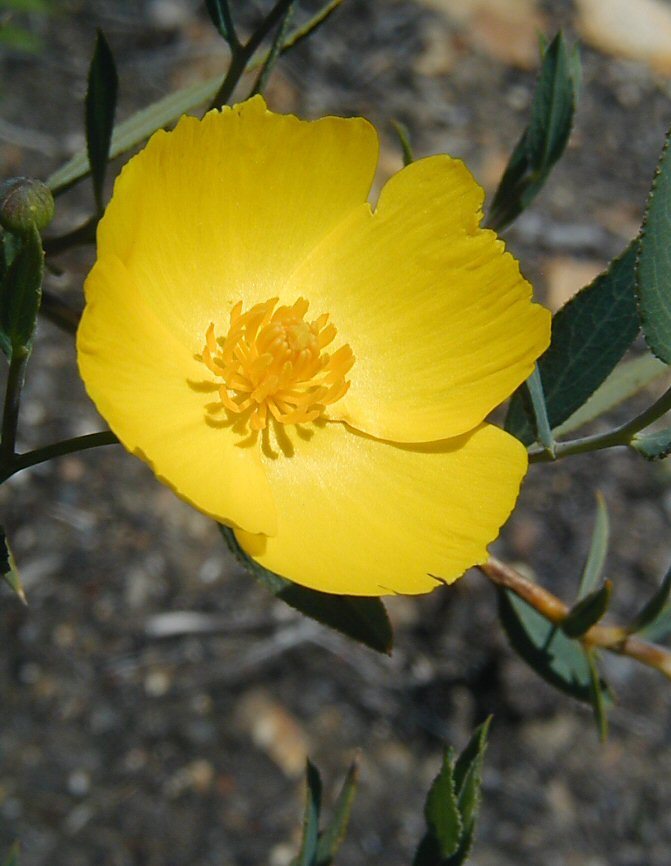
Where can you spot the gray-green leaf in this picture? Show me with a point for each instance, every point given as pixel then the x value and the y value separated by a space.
pixel 590 334
pixel 653 277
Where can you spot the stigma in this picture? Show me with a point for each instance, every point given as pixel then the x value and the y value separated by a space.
pixel 273 364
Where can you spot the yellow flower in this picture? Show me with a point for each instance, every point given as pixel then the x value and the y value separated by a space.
pixel 313 372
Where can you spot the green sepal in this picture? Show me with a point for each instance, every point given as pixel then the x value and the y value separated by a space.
pixel 21 293
pixel 590 334
pixel 588 611
pixel 332 837
pixel 653 272
pixel 8 568
pixel 555 657
pixel 651 610
pixel 360 618
pixel 100 107
pixel 544 139
pixel 653 446
pixel 452 805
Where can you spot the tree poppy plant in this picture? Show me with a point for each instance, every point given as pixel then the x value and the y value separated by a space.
pixel 307 369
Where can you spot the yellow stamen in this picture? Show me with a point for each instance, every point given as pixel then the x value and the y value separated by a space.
pixel 273 364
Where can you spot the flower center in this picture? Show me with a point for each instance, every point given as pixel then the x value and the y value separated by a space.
pixel 272 364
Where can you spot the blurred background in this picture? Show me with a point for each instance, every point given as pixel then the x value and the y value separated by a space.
pixel 156 705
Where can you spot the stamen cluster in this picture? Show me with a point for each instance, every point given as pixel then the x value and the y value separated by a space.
pixel 273 364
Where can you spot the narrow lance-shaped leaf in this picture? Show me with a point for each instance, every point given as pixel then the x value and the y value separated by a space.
pixel 220 14
pixel 100 107
pixel 468 782
pixel 660 627
pixel 598 549
pixel 627 379
pixel 358 617
pixel 653 273
pixel 274 53
pixel 8 568
pixel 588 611
pixel 544 139
pixel 332 837
pixel 590 334
pixel 599 707
pixel 165 111
pixel 443 821
pixel 313 799
pixel 653 607
pixel 21 293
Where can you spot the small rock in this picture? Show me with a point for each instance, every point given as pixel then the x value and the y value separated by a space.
pixel 634 31
pixel 505 29
pixel 275 731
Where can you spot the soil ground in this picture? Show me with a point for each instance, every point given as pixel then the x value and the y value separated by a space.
pixel 136 734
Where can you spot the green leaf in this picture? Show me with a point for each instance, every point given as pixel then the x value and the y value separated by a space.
pixel 138 128
pixel 443 821
pixel 332 837
pixel 21 293
pixel 8 568
pixel 627 379
pixel 100 107
pixel 588 611
pixel 545 648
pixel 653 446
pixel 313 799
pixel 544 139
pixel 357 617
pixel 452 805
pixel 653 273
pixel 164 112
pixel 598 549
pixel 598 697
pixel 590 334
pixel 651 610
pixel 220 15
pixel 660 627
pixel 12 856
pixel 404 139
pixel 468 783
pixel 274 53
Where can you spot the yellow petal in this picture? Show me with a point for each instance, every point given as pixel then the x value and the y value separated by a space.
pixel 436 312
pixel 359 516
pixel 150 390
pixel 223 209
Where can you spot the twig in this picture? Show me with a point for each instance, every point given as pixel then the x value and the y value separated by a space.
pixel 615 639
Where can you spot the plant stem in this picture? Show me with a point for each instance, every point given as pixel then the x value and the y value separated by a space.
pixel 10 414
pixel 17 462
pixel 619 436
pixel 242 54
pixel 615 639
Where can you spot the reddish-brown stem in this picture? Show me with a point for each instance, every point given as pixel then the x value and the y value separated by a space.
pixel 613 638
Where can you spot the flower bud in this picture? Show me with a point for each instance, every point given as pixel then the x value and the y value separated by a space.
pixel 25 202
